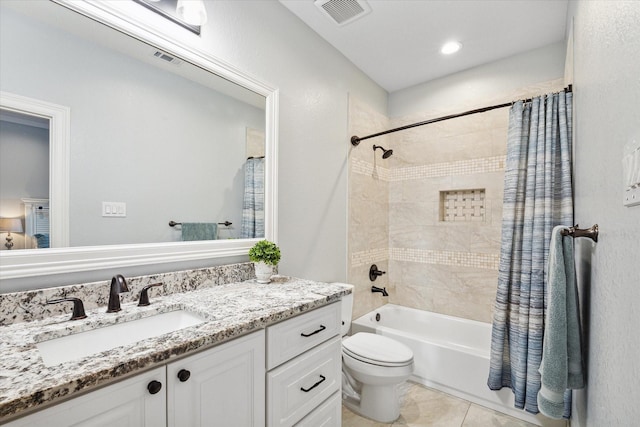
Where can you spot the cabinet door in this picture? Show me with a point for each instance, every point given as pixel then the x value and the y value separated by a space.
pixel 127 403
pixel 222 386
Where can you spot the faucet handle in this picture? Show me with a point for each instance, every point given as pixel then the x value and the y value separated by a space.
pixel 144 294
pixel 374 272
pixel 78 307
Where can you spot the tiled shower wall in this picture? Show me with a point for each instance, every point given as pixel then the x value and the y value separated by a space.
pixel 444 209
pixel 368 241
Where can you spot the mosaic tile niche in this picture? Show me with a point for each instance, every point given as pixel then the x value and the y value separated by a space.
pixel 463 205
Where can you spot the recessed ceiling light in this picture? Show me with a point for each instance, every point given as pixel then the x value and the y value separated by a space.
pixel 450 47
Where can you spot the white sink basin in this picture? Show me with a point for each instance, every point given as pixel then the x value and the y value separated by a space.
pixel 77 346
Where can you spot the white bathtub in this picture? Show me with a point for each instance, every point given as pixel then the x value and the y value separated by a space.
pixel 450 353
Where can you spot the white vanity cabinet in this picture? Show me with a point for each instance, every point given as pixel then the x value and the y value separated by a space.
pixel 127 403
pixel 305 366
pixel 221 386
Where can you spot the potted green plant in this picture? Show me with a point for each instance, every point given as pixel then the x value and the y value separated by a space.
pixel 264 255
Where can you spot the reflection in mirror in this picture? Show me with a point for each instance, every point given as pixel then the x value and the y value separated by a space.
pixel 24 180
pixel 153 137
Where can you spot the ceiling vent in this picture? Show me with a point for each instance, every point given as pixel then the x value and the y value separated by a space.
pixel 166 57
pixel 343 12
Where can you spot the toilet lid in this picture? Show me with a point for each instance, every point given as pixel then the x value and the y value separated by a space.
pixel 377 349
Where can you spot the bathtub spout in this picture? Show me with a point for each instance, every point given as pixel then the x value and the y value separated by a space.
pixel 383 291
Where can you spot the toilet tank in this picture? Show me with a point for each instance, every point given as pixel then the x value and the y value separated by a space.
pixel 347 310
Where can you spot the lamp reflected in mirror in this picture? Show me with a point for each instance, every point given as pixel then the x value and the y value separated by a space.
pixel 10 225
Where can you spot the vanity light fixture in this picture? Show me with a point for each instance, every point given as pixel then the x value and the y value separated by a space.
pixel 450 47
pixel 192 12
pixel 189 14
pixel 10 225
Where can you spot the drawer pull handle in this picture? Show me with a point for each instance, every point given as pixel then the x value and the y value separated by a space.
pixel 307 390
pixel 322 328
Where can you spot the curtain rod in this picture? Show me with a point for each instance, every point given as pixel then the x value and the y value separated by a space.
pixel 355 140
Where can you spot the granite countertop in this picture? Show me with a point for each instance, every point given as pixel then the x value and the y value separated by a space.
pixel 229 311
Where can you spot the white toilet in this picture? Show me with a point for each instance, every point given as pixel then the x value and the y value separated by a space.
pixel 373 368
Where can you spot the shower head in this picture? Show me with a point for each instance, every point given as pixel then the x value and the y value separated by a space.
pixel 385 153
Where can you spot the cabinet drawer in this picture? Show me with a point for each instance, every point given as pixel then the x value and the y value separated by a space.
pixel 329 414
pixel 292 337
pixel 297 387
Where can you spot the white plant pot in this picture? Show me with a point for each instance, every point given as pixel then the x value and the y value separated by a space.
pixel 263 272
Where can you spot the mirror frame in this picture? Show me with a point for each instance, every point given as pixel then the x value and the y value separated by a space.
pixel 31 263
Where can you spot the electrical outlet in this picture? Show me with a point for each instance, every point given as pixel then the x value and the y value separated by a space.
pixel 114 209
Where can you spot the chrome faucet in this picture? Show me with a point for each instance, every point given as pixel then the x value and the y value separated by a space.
pixel 118 285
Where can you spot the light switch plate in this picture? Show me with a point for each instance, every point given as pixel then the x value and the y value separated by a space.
pixel 114 209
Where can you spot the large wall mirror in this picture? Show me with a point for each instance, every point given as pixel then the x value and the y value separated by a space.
pixel 135 130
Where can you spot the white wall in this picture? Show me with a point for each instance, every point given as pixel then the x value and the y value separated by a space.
pixel 607 89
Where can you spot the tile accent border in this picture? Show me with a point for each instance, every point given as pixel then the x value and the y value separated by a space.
pixel 370 256
pixel 461 167
pixel 369 169
pixel 462 259
pixel 423 256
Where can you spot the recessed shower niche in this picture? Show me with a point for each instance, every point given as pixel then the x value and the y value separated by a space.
pixel 463 205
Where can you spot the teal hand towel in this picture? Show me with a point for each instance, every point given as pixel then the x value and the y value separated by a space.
pixel 199 231
pixel 561 365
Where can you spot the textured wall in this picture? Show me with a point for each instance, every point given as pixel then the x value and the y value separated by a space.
pixel 607 88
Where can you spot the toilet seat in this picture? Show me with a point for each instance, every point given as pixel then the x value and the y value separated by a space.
pixel 377 350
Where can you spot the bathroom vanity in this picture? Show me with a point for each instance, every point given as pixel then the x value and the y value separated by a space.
pixel 263 354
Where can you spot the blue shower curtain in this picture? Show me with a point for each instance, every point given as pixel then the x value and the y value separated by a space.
pixel 253 203
pixel 537 197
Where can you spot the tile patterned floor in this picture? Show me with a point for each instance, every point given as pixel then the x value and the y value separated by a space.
pixel 428 407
